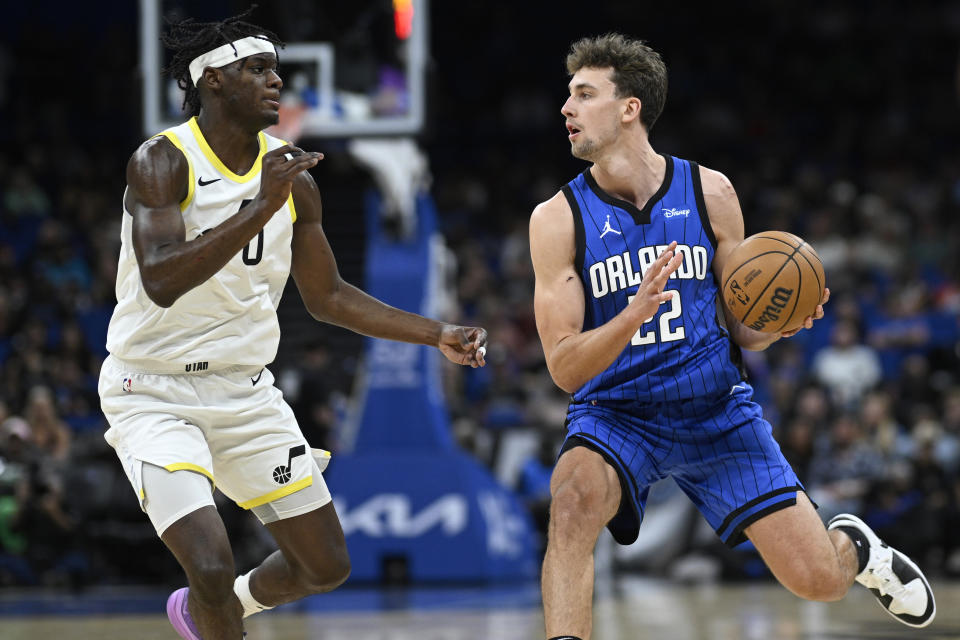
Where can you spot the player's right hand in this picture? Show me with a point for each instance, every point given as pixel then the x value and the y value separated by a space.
pixel 464 345
pixel 280 167
pixel 650 295
pixel 808 321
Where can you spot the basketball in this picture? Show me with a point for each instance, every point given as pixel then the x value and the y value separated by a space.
pixel 772 281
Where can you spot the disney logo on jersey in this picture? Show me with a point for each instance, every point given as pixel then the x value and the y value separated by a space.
pixel 672 213
pixel 626 269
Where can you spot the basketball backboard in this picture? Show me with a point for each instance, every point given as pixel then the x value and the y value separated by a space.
pixel 348 71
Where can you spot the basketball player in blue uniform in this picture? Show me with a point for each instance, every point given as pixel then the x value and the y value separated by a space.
pixel 627 257
pixel 217 216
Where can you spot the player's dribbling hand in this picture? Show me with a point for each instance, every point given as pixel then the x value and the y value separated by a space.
pixel 280 167
pixel 808 322
pixel 650 295
pixel 464 345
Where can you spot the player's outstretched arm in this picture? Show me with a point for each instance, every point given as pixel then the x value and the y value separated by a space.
pixel 331 299
pixel 575 356
pixel 726 218
pixel 170 263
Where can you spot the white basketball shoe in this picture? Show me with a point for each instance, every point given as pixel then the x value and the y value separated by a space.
pixel 898 584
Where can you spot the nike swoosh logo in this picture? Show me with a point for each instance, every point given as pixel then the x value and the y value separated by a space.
pixel 257 379
pixel 203 183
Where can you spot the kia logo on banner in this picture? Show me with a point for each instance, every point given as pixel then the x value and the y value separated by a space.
pixel 391 515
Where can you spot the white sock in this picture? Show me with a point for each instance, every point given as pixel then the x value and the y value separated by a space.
pixel 241 587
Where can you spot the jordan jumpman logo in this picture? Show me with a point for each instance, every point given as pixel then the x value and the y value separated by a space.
pixel 608 229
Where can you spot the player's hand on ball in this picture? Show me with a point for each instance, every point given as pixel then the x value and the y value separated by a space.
pixel 464 345
pixel 808 322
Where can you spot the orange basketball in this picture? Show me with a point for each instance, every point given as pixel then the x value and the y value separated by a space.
pixel 772 281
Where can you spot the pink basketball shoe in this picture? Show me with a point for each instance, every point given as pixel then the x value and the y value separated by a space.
pixel 179 615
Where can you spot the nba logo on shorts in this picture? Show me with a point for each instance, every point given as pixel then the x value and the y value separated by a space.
pixel 128 384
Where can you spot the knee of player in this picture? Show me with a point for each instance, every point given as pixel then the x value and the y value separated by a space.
pixel 819 582
pixel 211 578
pixel 326 573
pixel 576 507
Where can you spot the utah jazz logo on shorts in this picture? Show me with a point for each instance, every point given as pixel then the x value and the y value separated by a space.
pixel 283 473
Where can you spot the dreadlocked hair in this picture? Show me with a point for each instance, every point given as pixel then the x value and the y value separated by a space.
pixel 188 39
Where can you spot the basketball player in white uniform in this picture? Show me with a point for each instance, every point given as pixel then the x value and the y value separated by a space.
pixel 217 215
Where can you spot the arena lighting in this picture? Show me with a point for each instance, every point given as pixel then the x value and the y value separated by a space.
pixel 403 18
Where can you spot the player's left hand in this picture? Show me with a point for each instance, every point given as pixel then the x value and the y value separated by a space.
pixel 464 345
pixel 817 314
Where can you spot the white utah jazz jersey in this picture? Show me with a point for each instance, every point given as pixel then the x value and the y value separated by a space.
pixel 231 319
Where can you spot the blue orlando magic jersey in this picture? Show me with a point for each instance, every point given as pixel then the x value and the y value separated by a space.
pixel 682 352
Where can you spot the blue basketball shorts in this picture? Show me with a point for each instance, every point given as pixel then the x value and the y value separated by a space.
pixel 721 453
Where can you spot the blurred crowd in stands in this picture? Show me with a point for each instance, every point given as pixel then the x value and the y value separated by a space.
pixel 821 124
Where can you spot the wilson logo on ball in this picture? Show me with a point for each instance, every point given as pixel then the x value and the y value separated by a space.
pixel 778 302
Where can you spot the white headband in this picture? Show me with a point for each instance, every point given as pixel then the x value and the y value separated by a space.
pixel 228 53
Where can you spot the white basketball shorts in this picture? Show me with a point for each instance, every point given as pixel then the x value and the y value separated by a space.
pixel 230 425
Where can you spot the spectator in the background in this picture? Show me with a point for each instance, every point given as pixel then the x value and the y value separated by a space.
pixel 951 524
pixel 900 328
pixel 311 401
pixel 776 388
pixel 813 405
pixel 57 261
pixel 477 281
pixel 37 533
pixel 881 247
pixel 71 382
pixel 948 445
pixel 914 388
pixel 847 368
pixel 14 493
pixel 515 267
pixel 44 517
pixel 931 489
pixel 72 347
pixel 881 428
pixel 927 431
pixel 23 198
pixel 832 246
pixel 797 443
pixel 842 468
pixel 50 434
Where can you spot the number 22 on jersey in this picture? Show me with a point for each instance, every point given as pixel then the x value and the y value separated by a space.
pixel 667 334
